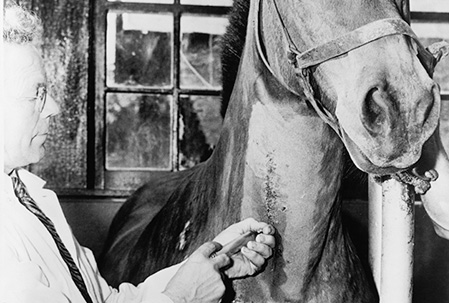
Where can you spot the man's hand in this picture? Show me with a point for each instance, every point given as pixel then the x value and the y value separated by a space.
pixel 252 257
pixel 199 280
pixel 435 200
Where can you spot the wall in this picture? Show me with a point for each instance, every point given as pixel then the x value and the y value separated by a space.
pixel 90 220
pixel 65 49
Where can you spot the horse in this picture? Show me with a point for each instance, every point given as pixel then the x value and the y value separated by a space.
pixel 297 106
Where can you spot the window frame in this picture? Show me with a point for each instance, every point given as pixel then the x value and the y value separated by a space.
pixel 99 179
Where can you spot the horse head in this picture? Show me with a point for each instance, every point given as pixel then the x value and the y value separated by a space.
pixel 365 73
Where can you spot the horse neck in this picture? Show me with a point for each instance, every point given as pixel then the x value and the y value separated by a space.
pixel 281 164
pixel 272 140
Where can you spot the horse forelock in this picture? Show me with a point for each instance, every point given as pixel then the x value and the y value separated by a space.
pixel 232 44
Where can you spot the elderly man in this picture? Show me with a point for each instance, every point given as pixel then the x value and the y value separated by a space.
pixel 41 261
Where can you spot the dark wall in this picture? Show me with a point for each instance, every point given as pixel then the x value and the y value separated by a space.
pixel 90 220
pixel 431 262
pixel 65 49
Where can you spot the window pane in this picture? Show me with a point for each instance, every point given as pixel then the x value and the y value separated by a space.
pixel 200 126
pixel 208 2
pixel 429 5
pixel 143 1
pixel 444 124
pixel 200 53
pixel 138 49
pixel 430 33
pixel 138 131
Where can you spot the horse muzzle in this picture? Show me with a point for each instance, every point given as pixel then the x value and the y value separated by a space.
pixel 388 136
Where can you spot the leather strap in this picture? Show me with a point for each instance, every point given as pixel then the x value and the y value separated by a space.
pixel 303 61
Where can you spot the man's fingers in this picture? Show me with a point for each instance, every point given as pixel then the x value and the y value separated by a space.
pixel 221 261
pixel 250 224
pixel 266 239
pixel 268 230
pixel 264 250
pixel 208 248
pixel 256 260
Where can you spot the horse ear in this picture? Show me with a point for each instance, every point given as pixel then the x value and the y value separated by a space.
pixel 404 8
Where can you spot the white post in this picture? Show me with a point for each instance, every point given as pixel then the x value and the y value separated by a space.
pixel 375 228
pixel 391 249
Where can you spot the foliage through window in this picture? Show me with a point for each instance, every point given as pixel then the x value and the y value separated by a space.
pixel 163 74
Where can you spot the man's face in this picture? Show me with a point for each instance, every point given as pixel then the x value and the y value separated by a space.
pixel 25 120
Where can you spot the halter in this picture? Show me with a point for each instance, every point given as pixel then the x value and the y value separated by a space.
pixel 303 61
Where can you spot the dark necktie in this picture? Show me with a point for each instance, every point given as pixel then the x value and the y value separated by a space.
pixel 26 200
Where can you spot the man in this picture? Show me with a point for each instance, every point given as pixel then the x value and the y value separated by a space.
pixel 40 260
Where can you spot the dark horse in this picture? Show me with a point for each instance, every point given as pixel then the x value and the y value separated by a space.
pixel 280 155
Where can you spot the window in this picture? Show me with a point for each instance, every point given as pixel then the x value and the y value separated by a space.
pixel 160 88
pixel 138 83
pixel 430 22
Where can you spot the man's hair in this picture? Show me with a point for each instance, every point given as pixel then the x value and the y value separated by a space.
pixel 19 25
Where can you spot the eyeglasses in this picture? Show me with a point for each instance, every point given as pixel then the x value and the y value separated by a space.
pixel 41 98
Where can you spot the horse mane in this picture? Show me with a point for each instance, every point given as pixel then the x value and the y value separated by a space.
pixel 231 45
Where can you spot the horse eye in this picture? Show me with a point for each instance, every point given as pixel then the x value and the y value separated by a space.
pixel 41 93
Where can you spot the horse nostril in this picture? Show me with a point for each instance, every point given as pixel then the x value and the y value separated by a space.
pixel 374 111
